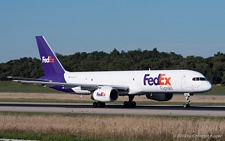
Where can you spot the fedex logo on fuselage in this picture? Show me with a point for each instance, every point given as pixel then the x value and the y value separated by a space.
pixel 161 79
pixel 101 94
pixel 49 59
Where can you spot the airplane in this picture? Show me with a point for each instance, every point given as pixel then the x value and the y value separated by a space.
pixel 107 86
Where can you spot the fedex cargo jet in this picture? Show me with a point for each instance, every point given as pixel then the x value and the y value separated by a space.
pixel 107 86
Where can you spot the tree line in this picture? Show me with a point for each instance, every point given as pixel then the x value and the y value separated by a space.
pixel 212 67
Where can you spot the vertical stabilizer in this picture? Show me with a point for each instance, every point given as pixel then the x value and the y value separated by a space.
pixel 50 62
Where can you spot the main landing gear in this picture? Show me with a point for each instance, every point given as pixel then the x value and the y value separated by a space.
pixel 130 103
pixel 187 104
pixel 99 104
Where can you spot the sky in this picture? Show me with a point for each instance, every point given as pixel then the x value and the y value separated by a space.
pixel 186 27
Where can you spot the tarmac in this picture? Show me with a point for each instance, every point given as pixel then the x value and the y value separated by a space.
pixel 172 110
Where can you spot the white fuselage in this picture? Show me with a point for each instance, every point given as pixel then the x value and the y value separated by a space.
pixel 142 82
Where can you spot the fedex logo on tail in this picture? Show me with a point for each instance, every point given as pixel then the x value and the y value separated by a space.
pixel 160 80
pixel 49 59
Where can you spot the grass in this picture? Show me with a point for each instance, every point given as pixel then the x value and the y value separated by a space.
pixel 216 90
pixel 104 127
pixel 9 86
pixel 43 137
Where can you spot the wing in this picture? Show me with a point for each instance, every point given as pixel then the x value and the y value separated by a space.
pixel 83 86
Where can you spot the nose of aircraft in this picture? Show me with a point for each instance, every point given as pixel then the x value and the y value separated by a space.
pixel 208 86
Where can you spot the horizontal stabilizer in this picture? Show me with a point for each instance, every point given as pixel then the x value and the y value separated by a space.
pixel 16 78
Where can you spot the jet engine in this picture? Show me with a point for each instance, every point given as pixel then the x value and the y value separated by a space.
pixel 105 94
pixel 160 96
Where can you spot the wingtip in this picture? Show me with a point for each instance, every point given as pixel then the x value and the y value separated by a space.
pixel 9 77
pixel 18 81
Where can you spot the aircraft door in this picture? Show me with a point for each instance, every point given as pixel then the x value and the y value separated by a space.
pixel 183 79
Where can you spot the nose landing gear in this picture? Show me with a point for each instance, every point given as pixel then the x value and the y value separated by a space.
pixel 187 104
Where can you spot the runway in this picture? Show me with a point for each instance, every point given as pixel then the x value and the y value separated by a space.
pixel 173 110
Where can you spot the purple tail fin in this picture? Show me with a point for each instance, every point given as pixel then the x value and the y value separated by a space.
pixel 50 62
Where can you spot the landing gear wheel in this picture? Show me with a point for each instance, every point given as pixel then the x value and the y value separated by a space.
pixel 133 104
pixel 102 105
pixel 129 104
pixel 186 105
pixel 99 104
pixel 125 104
pixel 95 104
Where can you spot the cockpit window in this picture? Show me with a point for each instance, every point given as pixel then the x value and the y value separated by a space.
pixel 202 79
pixel 198 79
